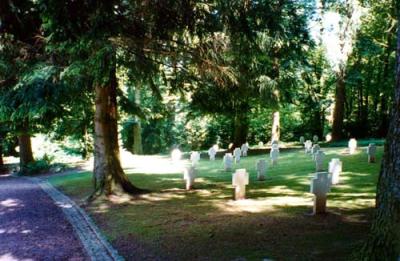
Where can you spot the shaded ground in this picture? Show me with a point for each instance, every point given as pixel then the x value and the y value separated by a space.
pixel 206 224
pixel 32 226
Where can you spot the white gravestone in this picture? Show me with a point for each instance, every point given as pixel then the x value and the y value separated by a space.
pixel 244 149
pixel 261 167
pixel 352 146
pixel 320 186
pixel 236 153
pixel 239 180
pixel 211 153
pixel 228 161
pixel 315 138
pixel 176 155
pixel 261 144
pixel 274 154
pixel 335 169
pixel 216 147
pixel 314 150
pixel 302 139
pixel 371 151
pixel 308 146
pixel 319 160
pixel 189 174
pixel 195 158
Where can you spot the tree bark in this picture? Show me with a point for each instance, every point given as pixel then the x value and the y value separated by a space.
pixel 2 167
pixel 25 149
pixel 276 127
pixel 108 175
pixel 241 129
pixel 137 128
pixel 384 240
pixel 338 113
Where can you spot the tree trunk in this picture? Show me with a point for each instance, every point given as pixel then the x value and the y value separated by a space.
pixel 137 128
pixel 25 149
pixel 384 240
pixel 109 178
pixel 338 113
pixel 276 128
pixel 2 167
pixel 241 129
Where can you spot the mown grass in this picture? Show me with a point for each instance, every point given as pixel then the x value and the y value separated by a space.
pixel 207 224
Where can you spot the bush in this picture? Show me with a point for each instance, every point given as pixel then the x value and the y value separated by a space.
pixel 43 165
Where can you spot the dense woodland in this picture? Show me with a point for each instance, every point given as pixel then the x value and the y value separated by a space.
pixel 189 74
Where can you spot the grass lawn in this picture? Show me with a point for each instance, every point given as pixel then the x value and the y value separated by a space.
pixel 206 224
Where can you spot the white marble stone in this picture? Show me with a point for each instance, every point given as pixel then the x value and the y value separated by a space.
pixel 228 161
pixel 239 180
pixel 315 138
pixel 212 152
pixel 195 158
pixel 261 144
pixel 176 155
pixel 319 161
pixel 314 150
pixel 189 174
pixel 352 146
pixel 244 149
pixel 302 139
pixel 261 167
pixel 320 186
pixel 274 155
pixel 335 169
pixel 371 151
pixel 307 146
pixel 237 153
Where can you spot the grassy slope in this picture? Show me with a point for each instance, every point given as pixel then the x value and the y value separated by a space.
pixel 206 224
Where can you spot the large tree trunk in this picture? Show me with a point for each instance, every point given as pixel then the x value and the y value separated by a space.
pixel 109 178
pixel 2 167
pixel 276 127
pixel 241 129
pixel 25 149
pixel 137 128
pixel 338 113
pixel 384 240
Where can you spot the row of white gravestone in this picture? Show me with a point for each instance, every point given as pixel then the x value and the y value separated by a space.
pixel 302 139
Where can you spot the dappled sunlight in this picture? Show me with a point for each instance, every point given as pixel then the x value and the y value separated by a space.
pixel 262 205
pixel 11 257
pixel 151 164
pixel 11 203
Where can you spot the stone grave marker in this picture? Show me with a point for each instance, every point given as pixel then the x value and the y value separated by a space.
pixel 335 169
pixel 237 153
pixel 244 149
pixel 352 146
pixel 261 167
pixel 239 180
pixel 212 152
pixel 314 150
pixel 176 155
pixel 195 158
pixel 371 151
pixel 260 144
pixel 315 138
pixel 274 155
pixel 308 146
pixel 189 174
pixel 228 161
pixel 302 139
pixel 320 186
pixel 319 161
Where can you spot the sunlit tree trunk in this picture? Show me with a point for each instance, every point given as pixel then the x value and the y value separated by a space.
pixel 25 148
pixel 137 128
pixel 384 240
pixel 109 177
pixel 2 167
pixel 338 113
pixel 276 128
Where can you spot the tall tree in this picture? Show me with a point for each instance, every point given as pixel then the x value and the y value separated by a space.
pixel 384 240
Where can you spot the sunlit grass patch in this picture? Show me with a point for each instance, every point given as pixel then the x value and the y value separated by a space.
pixel 206 223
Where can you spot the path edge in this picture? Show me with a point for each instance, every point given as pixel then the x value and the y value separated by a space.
pixel 95 244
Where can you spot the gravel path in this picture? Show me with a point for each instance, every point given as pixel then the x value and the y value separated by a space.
pixel 32 227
